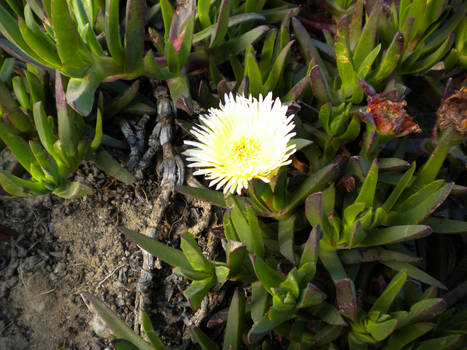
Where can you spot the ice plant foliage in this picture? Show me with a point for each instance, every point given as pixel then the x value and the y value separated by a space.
pixel 243 139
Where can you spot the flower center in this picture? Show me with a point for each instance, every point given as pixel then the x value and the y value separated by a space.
pixel 244 150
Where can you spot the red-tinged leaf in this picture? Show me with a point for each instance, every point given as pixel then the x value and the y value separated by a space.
pixel 222 23
pixel 346 298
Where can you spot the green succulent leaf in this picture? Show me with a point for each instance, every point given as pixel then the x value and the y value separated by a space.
pixel 119 328
pixel 20 187
pixel 112 31
pixel 405 335
pixel 71 49
pixel 405 215
pixel 367 38
pixel 286 238
pixel 134 36
pixel 384 301
pixel 446 226
pixel 73 190
pixel 197 290
pixel 269 278
pixel 449 342
pixel 151 333
pixel 203 339
pixel 194 255
pixel 394 234
pixel 168 254
pixel 107 163
pixel 414 272
pixel 234 328
pixel 381 330
pixel 18 146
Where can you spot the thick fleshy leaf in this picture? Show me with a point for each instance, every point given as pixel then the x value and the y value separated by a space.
pixel 402 337
pixel 266 324
pixel 235 323
pixel 430 169
pixel 18 146
pixel 71 49
pixel 73 190
pixel 390 59
pixel 366 41
pixel 123 100
pixel 421 210
pixel 368 189
pixel 286 238
pixel 222 23
pixel 414 272
pixel 234 46
pixel 39 43
pixel 426 310
pixel 449 342
pixel 357 256
pixel 112 30
pixel 398 190
pixel 214 197
pixel 381 330
pixel 122 344
pixel 194 255
pixel 67 133
pixel 313 183
pixel 259 301
pixel 269 278
pixel 168 254
pixel 80 91
pixel 151 333
pixel 20 187
pixel 134 36
pixel 21 94
pixel 197 290
pixel 439 225
pixel 343 58
pixel 368 61
pixel 119 328
pixel 107 163
pixel 346 298
pixel 203 339
pixel 277 68
pixel 310 296
pixel 384 301
pixel 394 234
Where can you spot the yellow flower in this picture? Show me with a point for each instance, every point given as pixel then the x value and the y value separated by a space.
pixel 244 139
